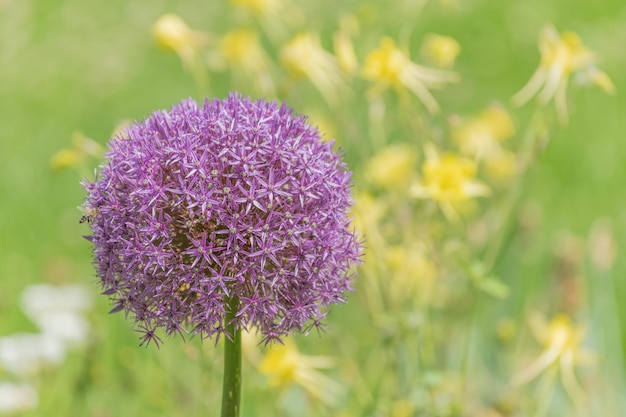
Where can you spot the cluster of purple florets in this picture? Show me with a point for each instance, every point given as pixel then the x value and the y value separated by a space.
pixel 233 200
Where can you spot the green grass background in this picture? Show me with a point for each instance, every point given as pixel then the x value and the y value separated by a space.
pixel 68 65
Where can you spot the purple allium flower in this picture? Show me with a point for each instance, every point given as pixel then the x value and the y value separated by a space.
pixel 232 199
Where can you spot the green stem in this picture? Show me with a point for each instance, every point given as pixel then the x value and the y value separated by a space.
pixel 231 389
pixel 529 154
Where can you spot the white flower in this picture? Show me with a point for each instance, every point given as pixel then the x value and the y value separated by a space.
pixel 24 354
pixel 42 298
pixel 66 326
pixel 17 397
pixel 58 311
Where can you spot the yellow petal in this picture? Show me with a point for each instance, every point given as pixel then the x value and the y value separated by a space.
pixel 440 50
pixel 65 158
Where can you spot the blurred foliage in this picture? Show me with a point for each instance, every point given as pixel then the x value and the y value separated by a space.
pixel 499 303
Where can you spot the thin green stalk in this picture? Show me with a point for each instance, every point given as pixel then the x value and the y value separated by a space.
pixel 469 342
pixel 231 389
pixel 528 155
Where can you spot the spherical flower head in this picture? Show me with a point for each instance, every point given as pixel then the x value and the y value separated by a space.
pixel 233 200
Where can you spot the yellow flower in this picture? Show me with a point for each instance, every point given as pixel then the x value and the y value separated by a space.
pixel 506 329
pixel 412 274
pixel 388 66
pixel 171 32
pixel 324 124
pixel 392 167
pixel 260 7
pixel 242 48
pixel 304 57
pixel 562 342
pixel 342 44
pixel 250 344
pixel 271 16
pixel 447 179
pixel 74 156
pixel 65 158
pixel 244 53
pixel 285 365
pixel 344 49
pixel 502 166
pixel 561 56
pixel 402 408
pixel 119 131
pixel 366 213
pixel 480 137
pixel 440 50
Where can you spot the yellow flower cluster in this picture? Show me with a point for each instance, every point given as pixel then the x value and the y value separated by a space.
pixel 415 179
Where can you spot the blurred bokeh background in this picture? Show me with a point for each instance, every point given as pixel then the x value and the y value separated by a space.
pixel 443 321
